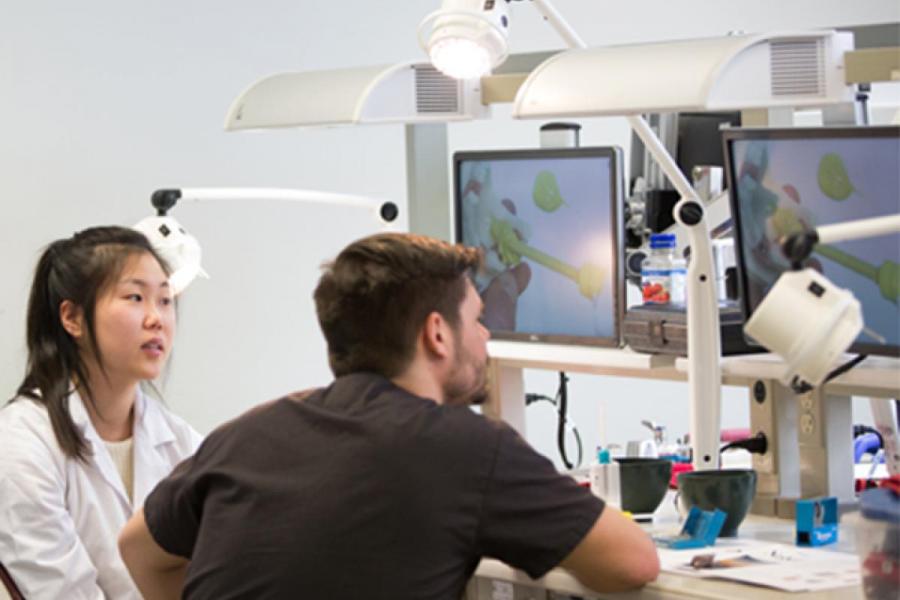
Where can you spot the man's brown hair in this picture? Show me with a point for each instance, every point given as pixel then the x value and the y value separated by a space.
pixel 373 299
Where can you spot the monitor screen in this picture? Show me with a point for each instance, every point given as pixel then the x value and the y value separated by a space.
pixel 549 224
pixel 786 180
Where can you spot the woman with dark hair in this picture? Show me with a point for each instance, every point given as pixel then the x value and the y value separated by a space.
pixel 81 445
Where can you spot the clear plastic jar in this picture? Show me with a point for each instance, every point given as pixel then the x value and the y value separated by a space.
pixel 663 273
pixel 877 529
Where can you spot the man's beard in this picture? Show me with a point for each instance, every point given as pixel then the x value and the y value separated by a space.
pixel 458 390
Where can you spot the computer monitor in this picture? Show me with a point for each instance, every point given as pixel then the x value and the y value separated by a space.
pixel 786 180
pixel 549 223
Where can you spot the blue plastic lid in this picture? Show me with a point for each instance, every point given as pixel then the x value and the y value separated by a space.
pixel 880 504
pixel 662 240
pixel 603 456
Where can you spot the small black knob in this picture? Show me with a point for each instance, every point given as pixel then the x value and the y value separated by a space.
pixel 759 392
pixel 163 200
pixel 389 211
pixel 691 213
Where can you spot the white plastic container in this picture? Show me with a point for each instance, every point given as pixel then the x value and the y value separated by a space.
pixel 605 481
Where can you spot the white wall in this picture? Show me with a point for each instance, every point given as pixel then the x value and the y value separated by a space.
pixel 104 101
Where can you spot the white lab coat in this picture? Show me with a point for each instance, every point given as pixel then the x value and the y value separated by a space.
pixel 60 517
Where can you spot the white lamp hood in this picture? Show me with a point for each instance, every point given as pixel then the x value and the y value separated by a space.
pixel 726 73
pixel 407 93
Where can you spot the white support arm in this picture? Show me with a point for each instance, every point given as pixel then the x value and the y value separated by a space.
pixel 704 342
pixel 559 24
pixel 863 228
pixel 283 194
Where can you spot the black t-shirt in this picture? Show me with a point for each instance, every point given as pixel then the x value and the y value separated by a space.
pixel 363 490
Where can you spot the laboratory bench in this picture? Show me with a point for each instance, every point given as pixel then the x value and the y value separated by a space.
pixel 810 455
pixel 494 580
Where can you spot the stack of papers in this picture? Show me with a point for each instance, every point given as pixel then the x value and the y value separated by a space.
pixel 778 566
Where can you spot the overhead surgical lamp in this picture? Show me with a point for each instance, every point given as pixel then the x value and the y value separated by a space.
pixel 466 39
pixel 182 251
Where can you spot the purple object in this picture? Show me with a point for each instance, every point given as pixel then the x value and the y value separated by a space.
pixel 865 443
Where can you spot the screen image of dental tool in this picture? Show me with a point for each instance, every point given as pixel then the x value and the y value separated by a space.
pixel 548 223
pixel 785 181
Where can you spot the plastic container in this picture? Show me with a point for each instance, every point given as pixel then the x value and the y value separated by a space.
pixel 605 480
pixel 663 273
pixel 877 528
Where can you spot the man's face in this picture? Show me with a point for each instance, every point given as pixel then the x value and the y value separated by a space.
pixel 467 379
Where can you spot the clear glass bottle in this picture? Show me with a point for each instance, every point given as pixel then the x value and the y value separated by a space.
pixel 663 273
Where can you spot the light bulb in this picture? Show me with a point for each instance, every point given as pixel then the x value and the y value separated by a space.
pixel 465 39
pixel 460 58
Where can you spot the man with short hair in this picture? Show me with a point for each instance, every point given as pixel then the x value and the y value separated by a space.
pixel 384 484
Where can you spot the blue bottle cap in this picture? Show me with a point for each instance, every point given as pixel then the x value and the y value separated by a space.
pixel 662 240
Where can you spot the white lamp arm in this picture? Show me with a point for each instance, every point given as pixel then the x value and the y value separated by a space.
pixel 559 24
pixel 182 251
pixel 704 371
pixel 862 228
pixel 164 199
pixel 797 247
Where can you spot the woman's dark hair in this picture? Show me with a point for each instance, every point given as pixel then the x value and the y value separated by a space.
pixel 374 298
pixel 77 269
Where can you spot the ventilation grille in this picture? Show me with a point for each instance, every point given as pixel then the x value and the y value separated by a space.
pixel 435 92
pixel 798 68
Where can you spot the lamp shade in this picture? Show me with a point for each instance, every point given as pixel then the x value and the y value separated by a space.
pixel 407 93
pixel 727 73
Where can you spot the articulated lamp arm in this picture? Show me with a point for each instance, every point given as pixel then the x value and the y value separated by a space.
pixel 704 342
pixel 182 251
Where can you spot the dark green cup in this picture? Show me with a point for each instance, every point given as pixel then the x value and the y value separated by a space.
pixel 643 483
pixel 729 490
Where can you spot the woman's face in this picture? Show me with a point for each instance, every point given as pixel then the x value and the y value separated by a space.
pixel 134 321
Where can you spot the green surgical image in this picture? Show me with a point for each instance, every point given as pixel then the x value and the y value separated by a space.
pixel 511 249
pixel 546 192
pixel 833 179
pixel 886 276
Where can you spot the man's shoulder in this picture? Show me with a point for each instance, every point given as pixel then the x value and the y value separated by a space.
pixel 264 412
pixel 252 423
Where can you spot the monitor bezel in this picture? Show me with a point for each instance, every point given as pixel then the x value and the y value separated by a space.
pixel 616 199
pixel 732 135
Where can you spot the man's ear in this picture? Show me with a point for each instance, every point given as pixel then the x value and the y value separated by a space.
pixel 72 318
pixel 436 336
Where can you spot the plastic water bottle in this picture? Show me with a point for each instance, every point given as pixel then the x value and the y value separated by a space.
pixel 663 274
